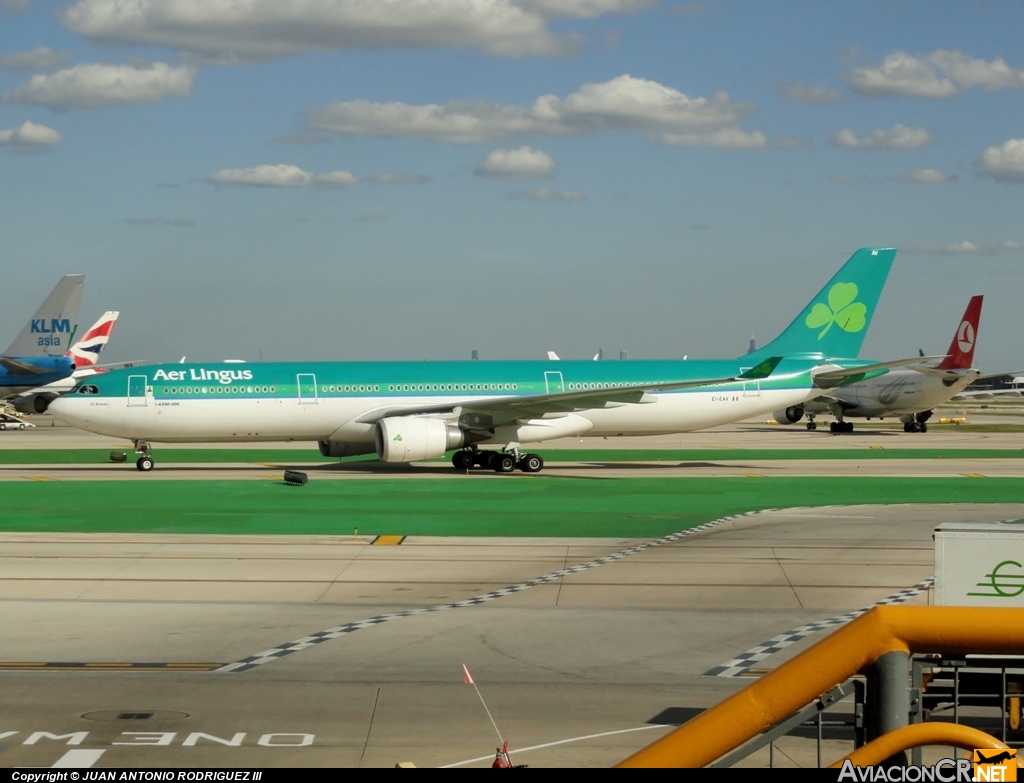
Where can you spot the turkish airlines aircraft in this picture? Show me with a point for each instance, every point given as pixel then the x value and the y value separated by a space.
pixel 909 393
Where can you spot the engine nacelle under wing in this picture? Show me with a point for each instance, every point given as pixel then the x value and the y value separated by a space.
pixel 790 415
pixel 334 448
pixel 410 438
pixel 33 403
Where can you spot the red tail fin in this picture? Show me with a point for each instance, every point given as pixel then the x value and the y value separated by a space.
pixel 961 350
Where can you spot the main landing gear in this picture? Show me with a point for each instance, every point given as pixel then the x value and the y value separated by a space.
pixel 841 426
pixel 918 422
pixel 144 462
pixel 498 461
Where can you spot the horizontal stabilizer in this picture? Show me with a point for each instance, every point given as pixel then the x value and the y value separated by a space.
pixel 832 375
pixel 14 367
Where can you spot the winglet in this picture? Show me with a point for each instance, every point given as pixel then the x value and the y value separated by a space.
pixel 761 371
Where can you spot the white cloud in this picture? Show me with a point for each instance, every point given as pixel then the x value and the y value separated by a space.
pixel 39 59
pixel 281 176
pixel 29 134
pixel 248 30
pixel 546 194
pixel 941 74
pixel 521 163
pixel 387 178
pixel 803 93
pixel 964 248
pixel 1005 162
pixel 584 9
pixel 96 85
pixel 898 137
pixel 13 6
pixel 622 104
pixel 928 177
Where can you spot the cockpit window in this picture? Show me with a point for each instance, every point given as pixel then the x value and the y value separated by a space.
pixel 88 389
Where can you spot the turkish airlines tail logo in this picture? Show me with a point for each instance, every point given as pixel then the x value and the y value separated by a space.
pixel 86 352
pixel 960 355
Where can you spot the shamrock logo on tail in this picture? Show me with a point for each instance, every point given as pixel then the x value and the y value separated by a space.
pixel 841 310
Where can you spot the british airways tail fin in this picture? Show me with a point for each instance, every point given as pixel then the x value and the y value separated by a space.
pixel 960 355
pixel 52 328
pixel 86 351
pixel 835 322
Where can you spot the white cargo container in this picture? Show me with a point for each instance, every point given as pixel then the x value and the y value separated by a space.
pixel 979 564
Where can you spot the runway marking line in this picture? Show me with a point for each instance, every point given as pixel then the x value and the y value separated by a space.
pixel 877 448
pixel 296 645
pixel 972 475
pixel 387 540
pixel 40 478
pixel 754 475
pixel 70 666
pixel 742 663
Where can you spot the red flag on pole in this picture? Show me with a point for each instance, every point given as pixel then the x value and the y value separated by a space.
pixel 465 676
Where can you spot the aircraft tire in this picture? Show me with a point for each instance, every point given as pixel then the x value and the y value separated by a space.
pixel 463 460
pixel 847 426
pixel 145 464
pixel 906 428
pixel 531 463
pixel 914 426
pixel 503 463
pixel 924 427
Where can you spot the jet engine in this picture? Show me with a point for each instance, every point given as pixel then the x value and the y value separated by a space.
pixel 790 415
pixel 409 438
pixel 32 403
pixel 333 448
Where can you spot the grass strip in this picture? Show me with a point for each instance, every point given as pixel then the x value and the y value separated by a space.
pixel 506 506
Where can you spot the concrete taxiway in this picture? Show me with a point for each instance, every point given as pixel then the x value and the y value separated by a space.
pixel 350 654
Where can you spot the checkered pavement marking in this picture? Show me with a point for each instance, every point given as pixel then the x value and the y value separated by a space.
pixel 745 661
pixel 276 653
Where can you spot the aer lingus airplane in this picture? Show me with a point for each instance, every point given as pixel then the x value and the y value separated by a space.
pixel 410 411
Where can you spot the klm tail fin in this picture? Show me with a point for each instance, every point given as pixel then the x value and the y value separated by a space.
pixel 53 326
pixel 835 322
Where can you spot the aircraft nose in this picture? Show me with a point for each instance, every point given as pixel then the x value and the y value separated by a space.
pixel 65 410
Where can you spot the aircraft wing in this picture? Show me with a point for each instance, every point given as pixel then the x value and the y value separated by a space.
pixel 14 367
pixel 497 410
pixel 828 378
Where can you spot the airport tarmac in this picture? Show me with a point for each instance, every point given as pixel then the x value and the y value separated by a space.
pixel 349 654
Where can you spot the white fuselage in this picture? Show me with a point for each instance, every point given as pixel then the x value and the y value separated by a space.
pixel 899 392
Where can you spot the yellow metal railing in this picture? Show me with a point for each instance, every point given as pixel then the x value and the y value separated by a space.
pixel 951 630
pixel 917 735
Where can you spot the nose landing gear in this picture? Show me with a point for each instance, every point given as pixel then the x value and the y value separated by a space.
pixel 144 462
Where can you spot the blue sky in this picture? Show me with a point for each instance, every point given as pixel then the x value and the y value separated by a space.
pixel 359 179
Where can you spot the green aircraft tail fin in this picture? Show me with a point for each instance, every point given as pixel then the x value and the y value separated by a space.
pixel 835 322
